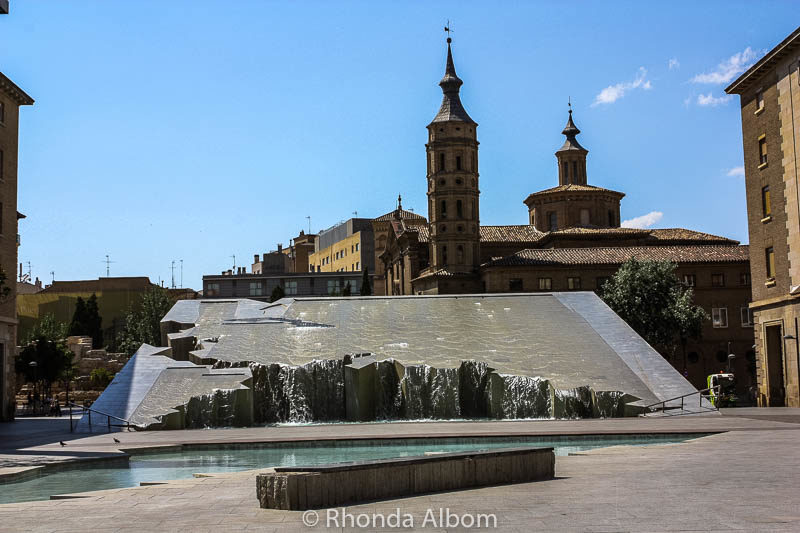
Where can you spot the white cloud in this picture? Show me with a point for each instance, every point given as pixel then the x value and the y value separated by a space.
pixel 644 221
pixel 708 100
pixel 736 171
pixel 729 69
pixel 612 93
pixel 674 64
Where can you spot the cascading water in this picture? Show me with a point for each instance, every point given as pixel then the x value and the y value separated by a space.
pixel 430 392
pixel 217 409
pixel 316 392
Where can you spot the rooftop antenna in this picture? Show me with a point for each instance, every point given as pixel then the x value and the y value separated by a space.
pixel 234 263
pixel 355 214
pixel 53 273
pixel 172 268
pixel 108 266
pixel 181 273
pixel 309 223
pixel 29 269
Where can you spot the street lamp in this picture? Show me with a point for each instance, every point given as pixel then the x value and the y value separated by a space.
pixel 35 366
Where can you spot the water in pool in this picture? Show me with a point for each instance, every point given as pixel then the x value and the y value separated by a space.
pixel 167 466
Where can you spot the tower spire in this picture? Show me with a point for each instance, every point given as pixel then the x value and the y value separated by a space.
pixel 571 156
pixel 451 108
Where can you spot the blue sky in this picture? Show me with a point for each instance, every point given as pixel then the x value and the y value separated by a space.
pixel 196 130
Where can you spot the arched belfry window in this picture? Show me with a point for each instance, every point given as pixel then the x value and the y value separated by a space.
pixel 444 208
pixel 444 255
pixel 441 161
pixel 458 162
pixel 459 209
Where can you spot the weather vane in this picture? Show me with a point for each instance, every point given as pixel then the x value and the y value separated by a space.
pixel 448 30
pixel 569 103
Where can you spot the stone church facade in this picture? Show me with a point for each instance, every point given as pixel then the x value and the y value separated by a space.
pixel 573 242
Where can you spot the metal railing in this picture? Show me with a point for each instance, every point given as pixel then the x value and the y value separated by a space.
pixel 85 409
pixel 717 389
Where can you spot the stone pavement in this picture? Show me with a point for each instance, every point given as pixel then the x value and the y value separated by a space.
pixel 743 479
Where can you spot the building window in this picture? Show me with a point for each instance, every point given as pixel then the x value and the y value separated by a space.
pixel 552 218
pixel 1 164
pixel 256 288
pixel 759 100
pixel 441 161
pixel 574 284
pixel 358 265
pixel 747 317
pixel 458 162
pixel 717 280
pixel 575 170
pixel 689 280
pixel 333 287
pixel 766 205
pixel 515 285
pixel 289 287
pixel 584 217
pixel 545 284
pixel 762 150
pixel 719 317
pixel 744 278
pixel 212 289
pixel 611 218
pixel 566 170
pixel 459 209
pixel 601 280
pixel 357 246
pixel 352 248
pixel 459 254
pixel 444 208
pixel 769 255
pixel 444 255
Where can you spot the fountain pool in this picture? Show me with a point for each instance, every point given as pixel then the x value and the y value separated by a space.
pixel 160 466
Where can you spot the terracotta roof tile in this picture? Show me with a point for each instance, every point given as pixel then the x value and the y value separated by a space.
pixel 522 233
pixel 618 255
pixel 572 187
pixel 403 215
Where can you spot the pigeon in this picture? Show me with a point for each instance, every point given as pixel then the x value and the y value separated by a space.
pixel 61 442
pixel 116 440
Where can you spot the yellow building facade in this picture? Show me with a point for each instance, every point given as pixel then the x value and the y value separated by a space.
pixel 341 256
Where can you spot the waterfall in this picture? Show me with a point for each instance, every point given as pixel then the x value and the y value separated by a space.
pixel 388 390
pixel 473 378
pixel 430 392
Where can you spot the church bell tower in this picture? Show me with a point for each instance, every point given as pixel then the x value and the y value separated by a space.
pixel 453 193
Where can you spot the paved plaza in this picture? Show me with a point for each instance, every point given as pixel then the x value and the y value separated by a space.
pixel 738 479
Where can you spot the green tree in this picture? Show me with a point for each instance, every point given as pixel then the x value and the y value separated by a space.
pixel 366 287
pixel 649 297
pixel 87 321
pixel 143 322
pixel 79 318
pixel 277 294
pixel 347 290
pixel 94 322
pixel 101 377
pixel 43 362
pixel 47 328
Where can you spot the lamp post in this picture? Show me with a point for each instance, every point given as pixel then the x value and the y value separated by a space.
pixel 35 366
